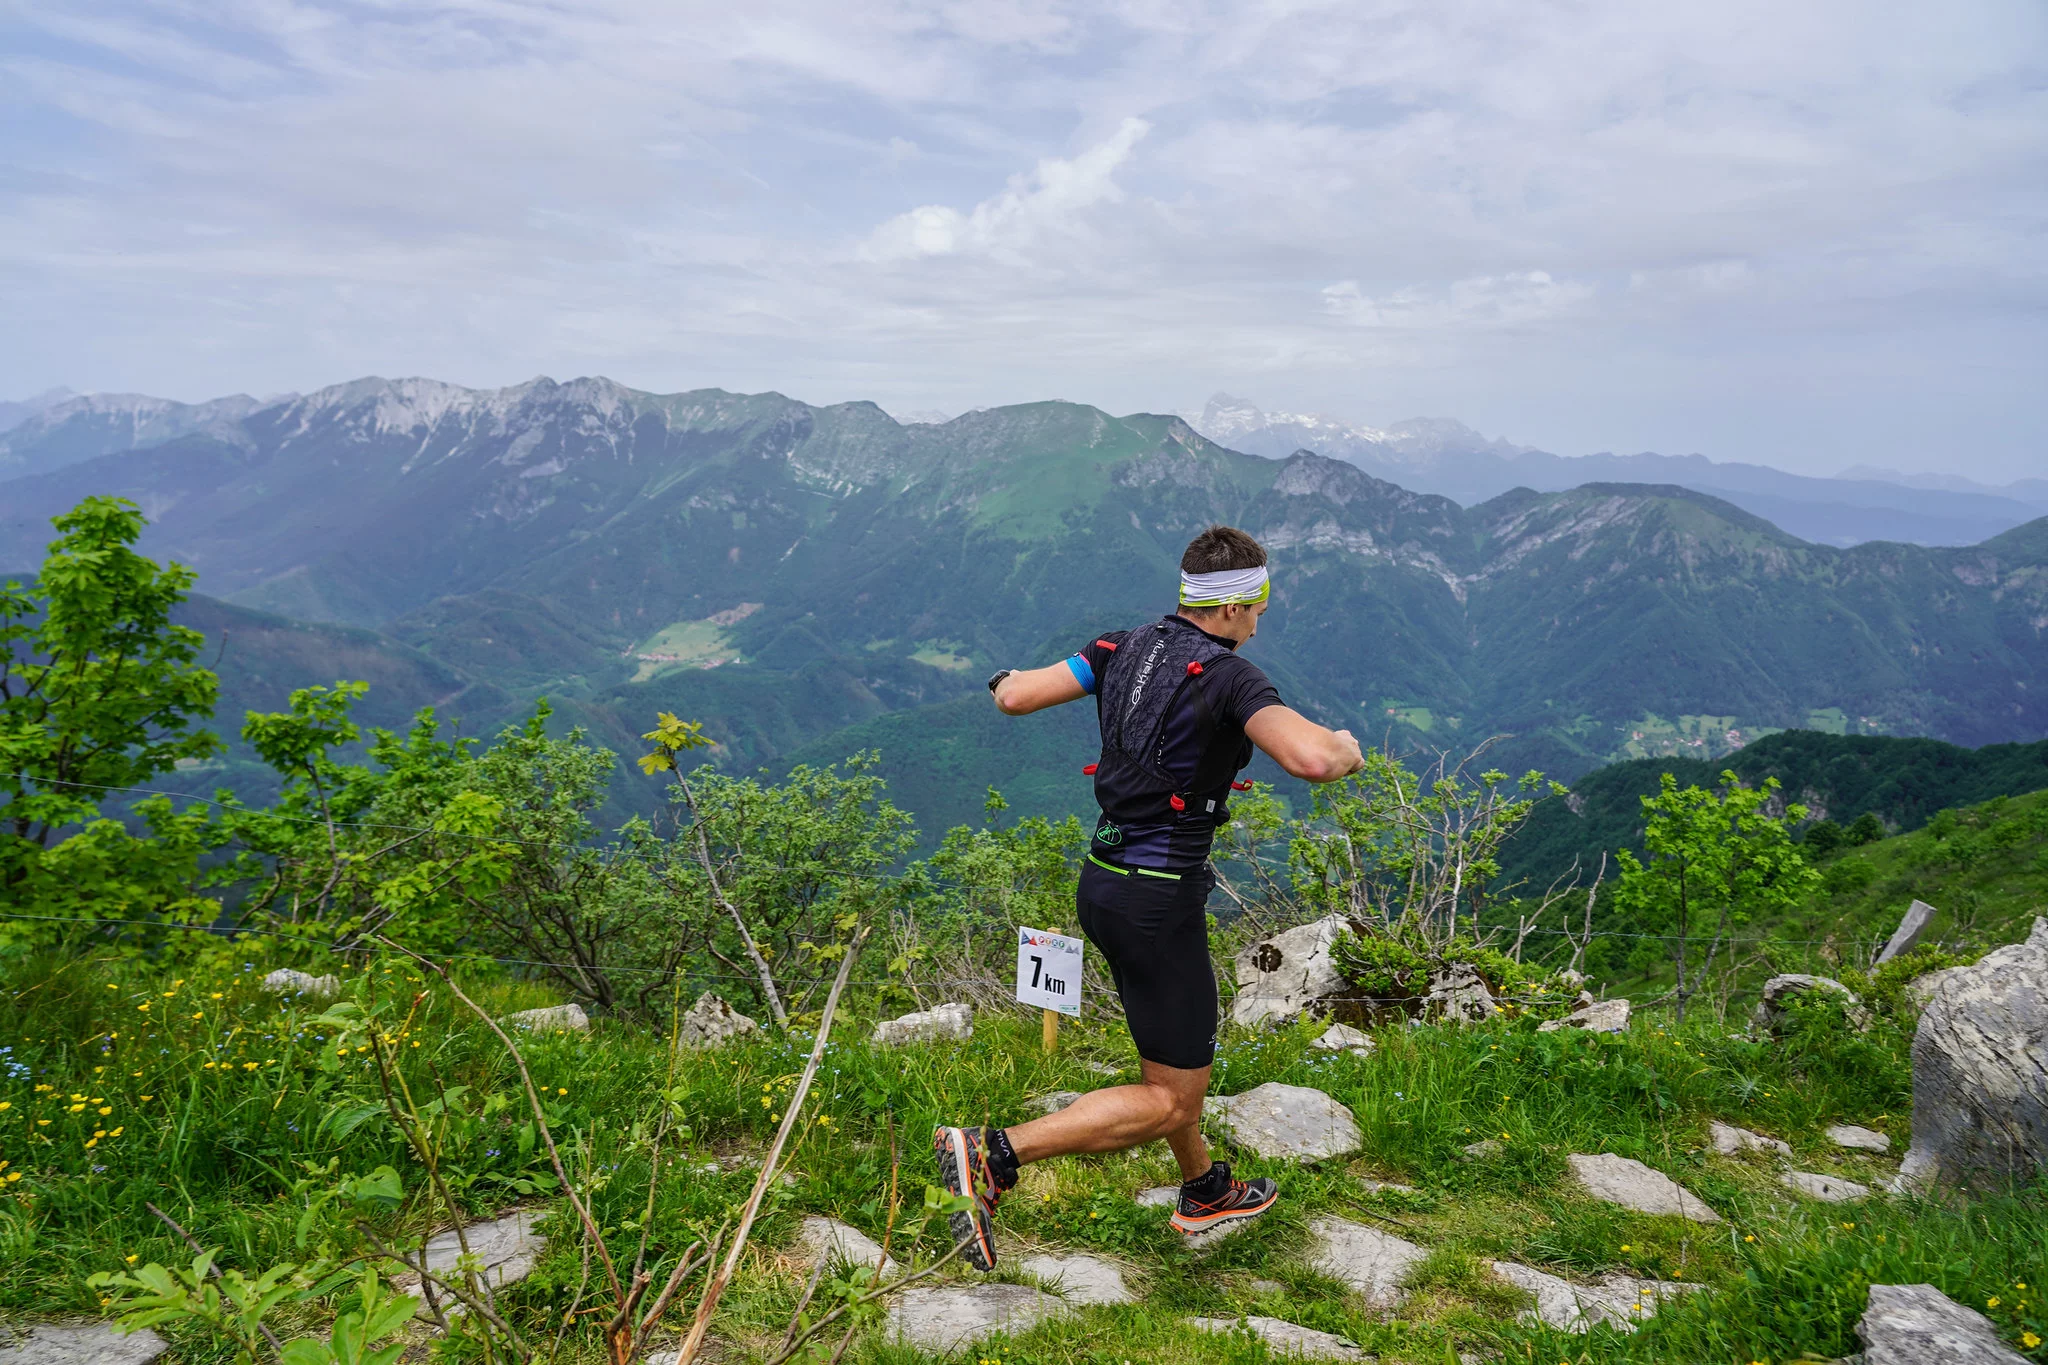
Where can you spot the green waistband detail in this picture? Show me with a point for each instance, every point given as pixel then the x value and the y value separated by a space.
pixel 1109 867
pixel 1127 871
pixel 1148 872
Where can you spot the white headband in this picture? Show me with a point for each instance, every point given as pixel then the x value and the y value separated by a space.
pixel 1231 585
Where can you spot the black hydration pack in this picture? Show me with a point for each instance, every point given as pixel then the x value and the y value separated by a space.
pixel 1154 709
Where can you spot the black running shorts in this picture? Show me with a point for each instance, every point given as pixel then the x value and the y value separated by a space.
pixel 1154 933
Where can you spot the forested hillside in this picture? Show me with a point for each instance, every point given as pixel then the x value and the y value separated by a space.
pixel 786 572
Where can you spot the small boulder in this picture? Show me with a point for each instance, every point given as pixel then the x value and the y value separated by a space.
pixel 1344 1038
pixel 554 1019
pixel 1486 1149
pixel 1912 928
pixel 1601 1016
pixel 1980 1072
pixel 1054 1102
pixel 951 1020
pixel 1285 1122
pixel 836 1241
pixel 946 1317
pixel 1620 1301
pixel 1458 994
pixel 1917 1324
pixel 1282 978
pixel 90 1343
pixel 1780 991
pixel 1728 1140
pixel 1077 1278
pixel 506 1250
pixel 712 1023
pixel 1286 1339
pixel 1632 1185
pixel 285 981
pixel 1831 1189
pixel 1374 1264
pixel 1858 1139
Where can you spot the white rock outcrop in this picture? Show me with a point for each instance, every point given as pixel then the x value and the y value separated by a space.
pixel 1917 1324
pixel 285 981
pixel 1858 1139
pixel 1780 991
pixel 1458 994
pixel 1620 1301
pixel 1601 1016
pixel 1729 1140
pixel 1632 1185
pixel 1344 1038
pixel 1912 928
pixel 1287 1340
pixel 90 1343
pixel 1282 978
pixel 843 1243
pixel 946 1317
pixel 1830 1189
pixel 951 1020
pixel 1375 1264
pixel 1078 1278
pixel 1980 1072
pixel 506 1250
pixel 712 1023
pixel 553 1019
pixel 1053 1101
pixel 1285 1122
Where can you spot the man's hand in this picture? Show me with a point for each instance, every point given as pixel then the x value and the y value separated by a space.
pixel 1305 749
pixel 1034 689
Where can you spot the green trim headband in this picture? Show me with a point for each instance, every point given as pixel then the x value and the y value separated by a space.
pixel 1217 589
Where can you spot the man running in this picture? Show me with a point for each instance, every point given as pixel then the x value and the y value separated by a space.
pixel 1180 711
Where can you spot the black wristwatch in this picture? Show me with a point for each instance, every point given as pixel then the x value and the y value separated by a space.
pixel 997 677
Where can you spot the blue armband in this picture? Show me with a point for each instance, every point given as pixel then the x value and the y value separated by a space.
pixel 1083 674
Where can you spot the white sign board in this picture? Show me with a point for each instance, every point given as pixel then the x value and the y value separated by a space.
pixel 1049 971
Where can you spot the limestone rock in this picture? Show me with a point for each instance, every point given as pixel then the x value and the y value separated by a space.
pixel 1632 1185
pixel 1077 1278
pixel 946 1317
pixel 1917 1324
pixel 1458 994
pixel 90 1343
pixel 1344 1038
pixel 836 1241
pixel 1830 1189
pixel 285 981
pixel 1781 990
pixel 1922 989
pixel 1601 1016
pixel 506 1247
pixel 1728 1140
pixel 1158 1197
pixel 1980 1071
pixel 1267 1287
pixel 1621 1301
pixel 712 1023
pixel 1858 1139
pixel 1286 1339
pixel 1912 928
pixel 1285 1122
pixel 555 1019
pixel 1281 978
pixel 951 1020
pixel 1054 1102
pixel 1373 1263
pixel 1486 1149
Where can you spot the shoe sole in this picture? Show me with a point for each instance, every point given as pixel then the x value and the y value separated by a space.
pixel 1193 1227
pixel 949 1145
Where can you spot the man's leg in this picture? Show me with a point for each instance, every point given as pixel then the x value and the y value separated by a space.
pixel 1166 1103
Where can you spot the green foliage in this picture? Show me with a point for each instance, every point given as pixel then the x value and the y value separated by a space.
pixel 1715 861
pixel 1381 966
pixel 98 691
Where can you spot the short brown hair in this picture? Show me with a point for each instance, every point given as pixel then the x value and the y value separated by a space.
pixel 1221 549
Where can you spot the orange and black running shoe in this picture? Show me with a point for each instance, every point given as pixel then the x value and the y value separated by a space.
pixel 963 1169
pixel 1238 1200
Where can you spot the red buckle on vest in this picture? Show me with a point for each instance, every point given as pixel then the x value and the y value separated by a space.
pixel 1104 644
pixel 1176 802
pixel 1241 786
pixel 1089 771
pixel 1194 668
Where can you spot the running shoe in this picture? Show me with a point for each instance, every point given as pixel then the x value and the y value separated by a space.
pixel 1241 1199
pixel 963 1169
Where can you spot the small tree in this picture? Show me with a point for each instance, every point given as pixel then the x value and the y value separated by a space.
pixel 99 691
pixel 1715 860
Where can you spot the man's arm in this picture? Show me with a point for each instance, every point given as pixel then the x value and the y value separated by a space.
pixel 1034 689
pixel 1304 748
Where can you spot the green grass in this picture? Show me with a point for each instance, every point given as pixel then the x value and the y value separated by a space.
pixel 221 1146
pixel 685 644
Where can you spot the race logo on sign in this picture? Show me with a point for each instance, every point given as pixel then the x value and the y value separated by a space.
pixel 1049 971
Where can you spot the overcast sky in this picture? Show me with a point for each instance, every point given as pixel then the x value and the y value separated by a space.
pixel 1810 234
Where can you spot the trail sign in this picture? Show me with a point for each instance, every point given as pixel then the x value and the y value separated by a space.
pixel 1049 971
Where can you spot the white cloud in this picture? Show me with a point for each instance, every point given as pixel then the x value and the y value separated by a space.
pixel 1483 301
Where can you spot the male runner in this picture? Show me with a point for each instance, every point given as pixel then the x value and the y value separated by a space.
pixel 1180 711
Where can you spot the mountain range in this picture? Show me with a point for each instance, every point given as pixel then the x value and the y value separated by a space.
pixel 808 580
pixel 1433 455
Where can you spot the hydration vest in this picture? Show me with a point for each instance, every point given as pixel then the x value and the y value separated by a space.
pixel 1152 701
